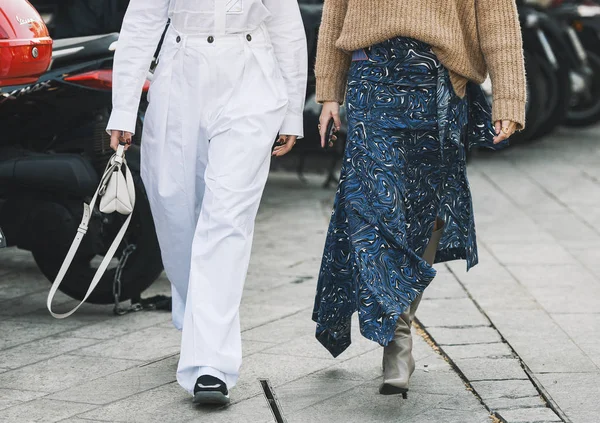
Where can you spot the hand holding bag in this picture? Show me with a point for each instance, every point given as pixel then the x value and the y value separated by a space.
pixel 117 194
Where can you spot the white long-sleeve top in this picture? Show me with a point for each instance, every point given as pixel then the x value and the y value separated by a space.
pixel 145 21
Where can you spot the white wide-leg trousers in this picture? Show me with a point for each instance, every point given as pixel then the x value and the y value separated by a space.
pixel 216 105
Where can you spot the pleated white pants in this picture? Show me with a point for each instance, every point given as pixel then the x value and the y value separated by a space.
pixel 216 105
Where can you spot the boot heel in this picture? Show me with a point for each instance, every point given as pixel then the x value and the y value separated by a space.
pixel 387 389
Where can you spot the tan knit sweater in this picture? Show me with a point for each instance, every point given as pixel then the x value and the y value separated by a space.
pixel 470 38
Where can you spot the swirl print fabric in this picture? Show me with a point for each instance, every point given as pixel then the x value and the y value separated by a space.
pixel 404 165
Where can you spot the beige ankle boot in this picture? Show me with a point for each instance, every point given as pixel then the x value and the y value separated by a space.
pixel 398 361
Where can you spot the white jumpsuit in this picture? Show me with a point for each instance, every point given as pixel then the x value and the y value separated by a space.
pixel 231 76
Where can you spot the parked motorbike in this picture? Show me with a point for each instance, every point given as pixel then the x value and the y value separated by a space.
pixel 25 49
pixel 52 151
pixel 559 39
pixel 581 23
pixel 543 73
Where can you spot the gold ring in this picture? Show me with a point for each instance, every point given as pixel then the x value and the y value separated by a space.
pixel 319 126
pixel 506 130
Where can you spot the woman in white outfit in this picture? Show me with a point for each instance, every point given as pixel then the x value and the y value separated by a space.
pixel 231 76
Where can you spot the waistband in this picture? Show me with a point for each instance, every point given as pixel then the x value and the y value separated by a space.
pixel 257 37
pixel 393 45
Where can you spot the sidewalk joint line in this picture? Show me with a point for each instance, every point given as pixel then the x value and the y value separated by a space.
pixel 544 394
pixel 272 401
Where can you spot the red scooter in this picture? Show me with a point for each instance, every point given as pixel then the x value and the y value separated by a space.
pixel 25 49
pixel 53 150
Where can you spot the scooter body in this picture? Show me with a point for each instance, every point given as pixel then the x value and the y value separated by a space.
pixel 548 51
pixel 581 23
pixel 52 151
pixel 25 49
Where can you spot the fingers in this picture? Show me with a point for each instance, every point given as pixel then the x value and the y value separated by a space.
pixel 323 122
pixel 114 139
pixel 331 110
pixel 504 130
pixel 117 137
pixel 286 143
pixel 337 121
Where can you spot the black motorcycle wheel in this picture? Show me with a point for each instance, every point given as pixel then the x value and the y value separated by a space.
pixel 143 266
pixel 559 94
pixel 587 111
pixel 537 96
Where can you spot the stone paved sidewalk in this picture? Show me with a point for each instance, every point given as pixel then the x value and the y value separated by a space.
pixel 517 334
pixel 95 367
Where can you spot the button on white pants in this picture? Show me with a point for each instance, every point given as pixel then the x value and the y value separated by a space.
pixel 215 110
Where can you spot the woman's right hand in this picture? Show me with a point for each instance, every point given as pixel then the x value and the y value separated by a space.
pixel 331 110
pixel 120 136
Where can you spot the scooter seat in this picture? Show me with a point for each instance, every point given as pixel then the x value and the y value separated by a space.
pixel 68 51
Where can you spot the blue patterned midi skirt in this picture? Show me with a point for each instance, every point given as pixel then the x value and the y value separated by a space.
pixel 404 165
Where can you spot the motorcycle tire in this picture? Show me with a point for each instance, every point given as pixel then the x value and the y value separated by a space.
pixel 142 268
pixel 537 87
pixel 559 94
pixel 587 112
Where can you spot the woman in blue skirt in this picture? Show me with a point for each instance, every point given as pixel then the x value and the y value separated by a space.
pixel 409 72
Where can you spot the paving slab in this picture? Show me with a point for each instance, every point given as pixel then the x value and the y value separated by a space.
pixel 169 403
pixel 444 286
pixel 110 328
pixel 508 394
pixel 575 393
pixel 454 312
pixel 540 342
pixel 307 345
pixel 587 254
pixel 277 369
pixel 42 410
pixel 62 372
pixel 476 369
pixel 567 289
pixel 364 367
pixel 464 336
pixel 35 301
pixel 253 347
pixel 10 397
pixel 21 283
pixel 143 345
pixel 549 253
pixel 39 350
pixel 584 330
pixel 284 329
pixel 503 294
pixel 16 332
pixel 120 385
pixel 505 389
pixel 363 403
pixel 567 226
pixel 495 350
pixel 310 390
pixel 500 404
pixel 529 415
pixel 258 315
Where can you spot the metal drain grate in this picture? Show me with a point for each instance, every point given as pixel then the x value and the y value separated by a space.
pixel 272 401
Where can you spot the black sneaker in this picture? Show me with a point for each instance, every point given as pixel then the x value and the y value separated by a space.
pixel 210 390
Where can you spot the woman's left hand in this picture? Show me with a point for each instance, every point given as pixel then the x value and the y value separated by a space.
pixel 504 130
pixel 285 143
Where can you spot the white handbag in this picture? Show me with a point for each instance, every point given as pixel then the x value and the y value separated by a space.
pixel 117 194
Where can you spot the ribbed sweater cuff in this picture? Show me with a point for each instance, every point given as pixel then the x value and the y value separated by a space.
pixel 508 109
pixel 331 88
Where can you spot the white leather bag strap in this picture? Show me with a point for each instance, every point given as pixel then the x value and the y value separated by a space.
pixel 81 231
